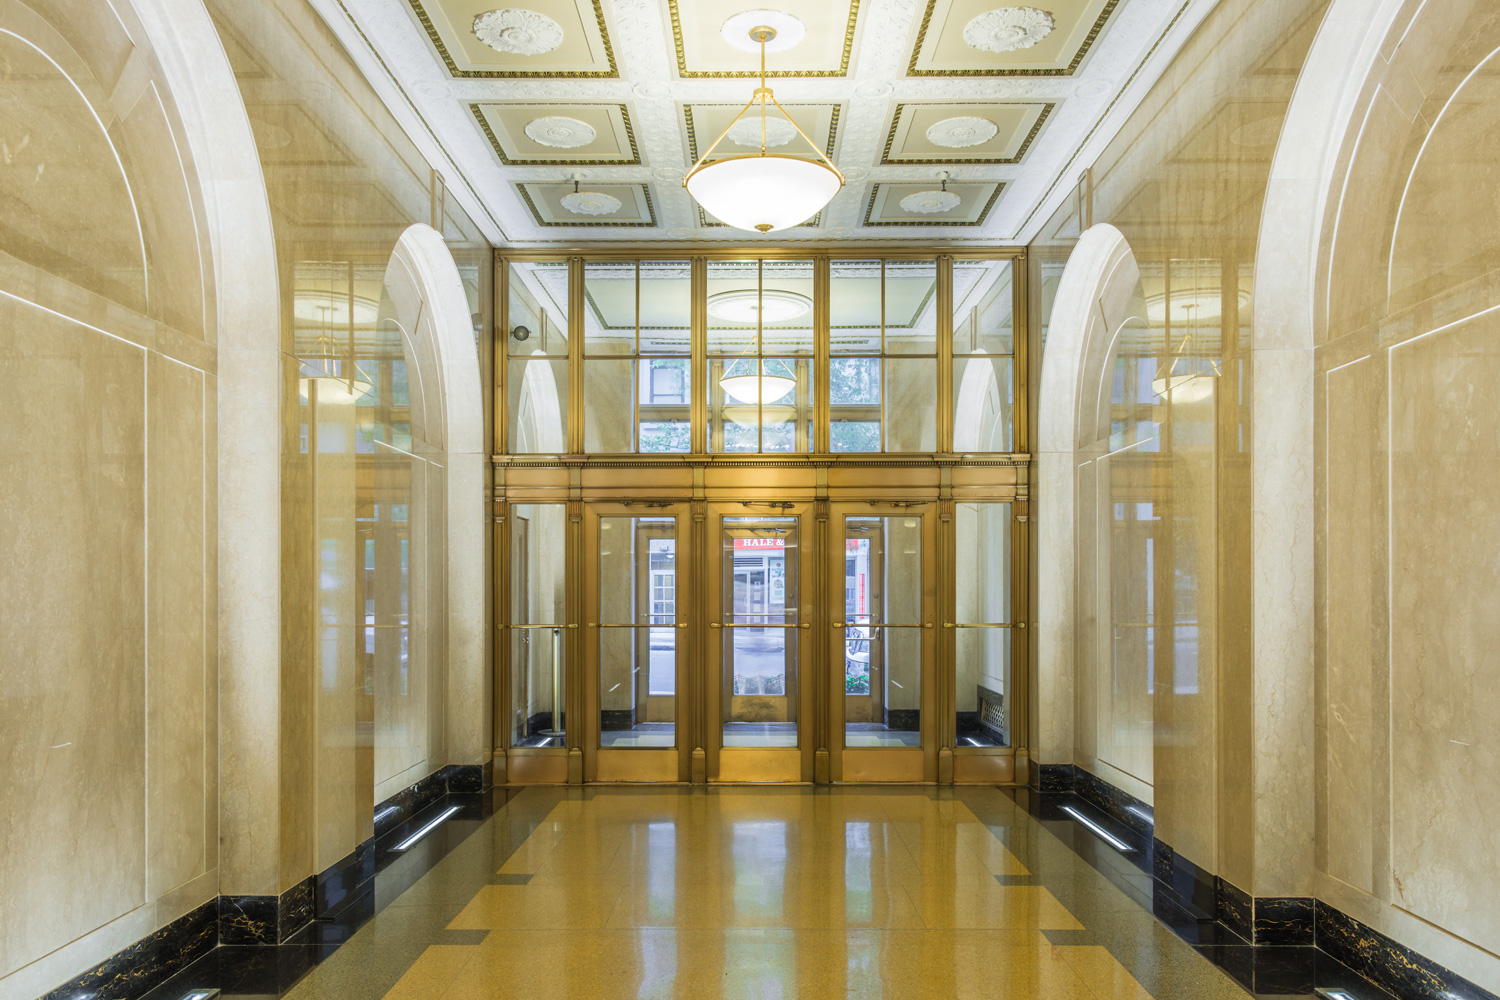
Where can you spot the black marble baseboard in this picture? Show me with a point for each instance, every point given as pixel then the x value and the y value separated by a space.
pixel 1388 963
pixel 149 962
pixel 1267 923
pixel 1052 778
pixel 905 720
pixel 339 883
pixel 616 718
pixel 1284 920
pixel 267 919
pixel 1235 908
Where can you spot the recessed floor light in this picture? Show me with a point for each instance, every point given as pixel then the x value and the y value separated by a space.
pixel 1103 834
pixel 426 829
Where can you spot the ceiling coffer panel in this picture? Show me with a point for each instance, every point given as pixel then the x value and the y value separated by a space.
pixel 703 53
pixel 613 206
pixel 902 204
pixel 539 135
pixel 546 38
pixel 997 132
pixel 982 38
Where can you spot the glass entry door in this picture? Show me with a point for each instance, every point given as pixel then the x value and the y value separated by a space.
pixel 883 595
pixel 637 610
pixel 758 692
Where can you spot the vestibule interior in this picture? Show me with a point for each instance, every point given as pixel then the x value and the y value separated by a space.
pixel 780 495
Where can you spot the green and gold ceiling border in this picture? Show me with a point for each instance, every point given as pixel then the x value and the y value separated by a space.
pixel 1069 70
pixel 692 133
pixel 588 221
pixel 476 74
pixel 979 221
pixel 477 110
pixel 688 74
pixel 1036 128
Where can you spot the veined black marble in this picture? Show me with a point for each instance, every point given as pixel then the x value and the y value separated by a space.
pixel 295 907
pixel 1052 778
pixel 247 919
pixel 466 779
pixel 129 974
pixel 1235 908
pixel 1284 920
pixel 1121 806
pixel 1387 963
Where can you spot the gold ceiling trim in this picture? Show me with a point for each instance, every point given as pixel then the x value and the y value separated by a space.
pixel 1072 67
pixel 520 187
pixel 833 124
pixel 1036 128
pixel 686 74
pixel 983 213
pixel 635 152
pixel 494 74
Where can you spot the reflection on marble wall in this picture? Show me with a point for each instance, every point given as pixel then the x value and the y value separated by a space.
pixel 1160 489
pixel 108 588
pixel 1407 522
pixel 365 510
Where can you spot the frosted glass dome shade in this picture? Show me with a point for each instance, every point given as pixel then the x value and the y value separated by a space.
pixel 763 193
pixel 752 389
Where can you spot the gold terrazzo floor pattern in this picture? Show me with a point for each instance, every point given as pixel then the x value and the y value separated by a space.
pixel 762 893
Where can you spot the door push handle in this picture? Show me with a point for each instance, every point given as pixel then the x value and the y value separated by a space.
pixel 715 625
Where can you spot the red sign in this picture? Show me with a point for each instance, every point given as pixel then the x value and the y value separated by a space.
pixel 741 544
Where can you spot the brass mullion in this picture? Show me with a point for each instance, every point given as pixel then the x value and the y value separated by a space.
pixel 1020 375
pixel 574 436
pixel 635 369
pixel 1020 640
pixel 822 353
pixel 884 364
pixel 501 415
pixel 698 347
pixel 945 354
pixel 504 710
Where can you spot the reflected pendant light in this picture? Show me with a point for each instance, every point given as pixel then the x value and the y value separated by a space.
pixel 334 378
pixel 763 192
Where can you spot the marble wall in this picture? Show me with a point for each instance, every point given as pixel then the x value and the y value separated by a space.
pixel 1158 687
pixel 367 513
pixel 109 375
pixel 1406 386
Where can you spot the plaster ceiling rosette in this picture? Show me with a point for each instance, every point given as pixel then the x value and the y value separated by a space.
pixel 518 31
pixel 591 203
pixel 930 202
pixel 789 30
pixel 963 131
pixel 560 132
pixel 1008 29
pixel 747 131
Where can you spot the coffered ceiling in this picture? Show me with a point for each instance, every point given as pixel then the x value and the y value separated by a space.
pixel 563 122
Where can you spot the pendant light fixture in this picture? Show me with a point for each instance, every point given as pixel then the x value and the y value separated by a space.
pixel 763 192
pixel 327 376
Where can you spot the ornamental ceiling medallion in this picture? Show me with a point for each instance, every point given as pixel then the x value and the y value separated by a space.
pixel 1008 29
pixel 747 132
pixel 518 31
pixel 560 132
pixel 930 202
pixel 965 130
pixel 591 203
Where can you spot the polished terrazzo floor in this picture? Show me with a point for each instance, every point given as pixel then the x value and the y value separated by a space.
pixel 749 892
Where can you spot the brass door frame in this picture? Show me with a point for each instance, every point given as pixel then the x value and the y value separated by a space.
pixel 888 764
pixel 604 764
pixel 770 764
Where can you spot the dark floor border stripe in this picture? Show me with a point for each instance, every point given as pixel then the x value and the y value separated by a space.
pixel 264 920
pixel 1265 920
